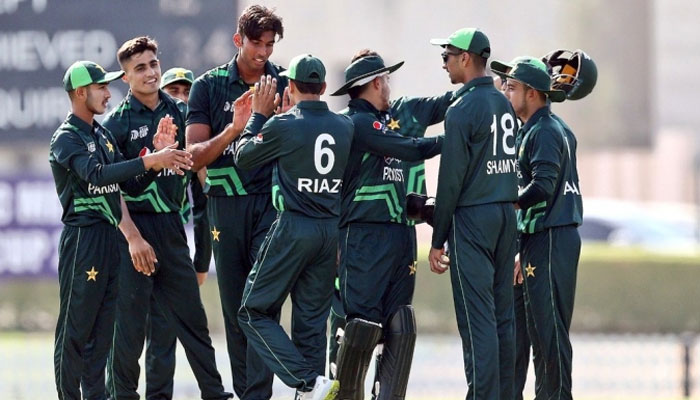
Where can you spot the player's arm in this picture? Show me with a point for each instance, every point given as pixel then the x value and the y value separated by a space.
pixel 205 148
pixel 262 139
pixel 544 149
pixel 454 162
pixel 142 254
pixel 370 137
pixel 261 142
pixel 202 237
pixel 426 110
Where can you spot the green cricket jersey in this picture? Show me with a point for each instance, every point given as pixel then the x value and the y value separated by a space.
pixel 211 103
pixel 547 161
pixel 310 146
pixel 373 185
pixel 133 126
pixel 88 170
pixel 478 163
pixel 412 116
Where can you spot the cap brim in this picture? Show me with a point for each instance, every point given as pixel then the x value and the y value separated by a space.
pixel 439 42
pixel 175 80
pixel 344 89
pixel 500 67
pixel 111 76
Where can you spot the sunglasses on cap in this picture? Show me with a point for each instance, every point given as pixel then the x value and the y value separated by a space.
pixel 446 54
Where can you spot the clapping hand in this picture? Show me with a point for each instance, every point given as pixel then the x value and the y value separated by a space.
pixel 165 133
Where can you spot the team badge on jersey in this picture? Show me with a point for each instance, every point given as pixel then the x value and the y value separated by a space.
pixel 258 138
pixel 91 147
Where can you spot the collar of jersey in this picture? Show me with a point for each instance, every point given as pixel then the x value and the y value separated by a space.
pixel 80 124
pixel 484 80
pixel 233 75
pixel 313 105
pixel 137 106
pixel 539 114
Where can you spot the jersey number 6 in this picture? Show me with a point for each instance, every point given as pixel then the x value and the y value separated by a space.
pixel 320 151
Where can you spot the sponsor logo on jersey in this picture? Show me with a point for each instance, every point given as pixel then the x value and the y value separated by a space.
pixel 570 187
pixel 92 189
pixel 378 126
pixel 144 151
pixel 228 106
pixel 91 147
pixel 230 149
pixel 392 174
pixel 139 133
pixel 391 160
pixel 257 139
pixel 315 185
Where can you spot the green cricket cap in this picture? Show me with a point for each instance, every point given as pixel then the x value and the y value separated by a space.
pixel 84 73
pixel 176 74
pixel 305 68
pixel 363 70
pixel 467 39
pixel 501 68
pixel 533 72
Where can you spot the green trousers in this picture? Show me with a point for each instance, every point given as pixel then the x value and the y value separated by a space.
pixel 87 272
pixel 298 258
pixel 481 251
pixel 522 342
pixel 377 274
pixel 239 225
pixel 174 288
pixel 550 260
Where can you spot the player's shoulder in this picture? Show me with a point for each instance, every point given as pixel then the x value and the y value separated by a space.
pixel 118 113
pixel 218 73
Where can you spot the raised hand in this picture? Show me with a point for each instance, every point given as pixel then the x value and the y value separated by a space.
pixel 265 98
pixel 165 133
pixel 242 111
pixel 286 102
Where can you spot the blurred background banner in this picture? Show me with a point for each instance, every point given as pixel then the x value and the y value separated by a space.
pixel 30 225
pixel 40 39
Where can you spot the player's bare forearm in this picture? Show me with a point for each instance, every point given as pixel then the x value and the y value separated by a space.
pixel 205 149
pixel 127 226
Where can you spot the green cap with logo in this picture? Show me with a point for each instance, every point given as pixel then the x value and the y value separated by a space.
pixel 305 68
pixel 533 72
pixel 467 39
pixel 84 73
pixel 176 74
pixel 501 68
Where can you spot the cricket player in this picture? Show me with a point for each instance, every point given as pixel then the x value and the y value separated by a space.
pixel 160 270
pixel 89 171
pixel 576 74
pixel 309 146
pixel 239 204
pixel 474 213
pixel 377 275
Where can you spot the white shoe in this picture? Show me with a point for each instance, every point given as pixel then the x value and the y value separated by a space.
pixel 324 389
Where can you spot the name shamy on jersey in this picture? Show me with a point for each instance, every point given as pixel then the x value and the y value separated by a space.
pixel 501 166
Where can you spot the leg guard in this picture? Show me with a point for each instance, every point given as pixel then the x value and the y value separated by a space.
pixel 354 356
pixel 394 361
